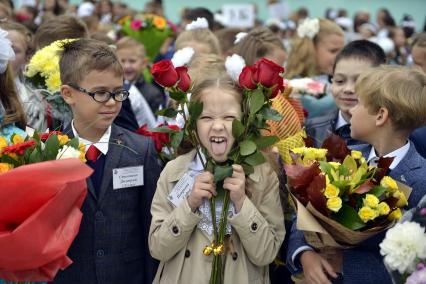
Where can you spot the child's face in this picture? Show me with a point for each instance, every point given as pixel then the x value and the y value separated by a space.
pixel 214 127
pixel 363 123
pixel 419 57
pixel 326 51
pixel 90 115
pixel 132 61
pixel 343 87
pixel 20 48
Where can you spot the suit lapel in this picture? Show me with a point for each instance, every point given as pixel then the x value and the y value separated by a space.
pixel 408 163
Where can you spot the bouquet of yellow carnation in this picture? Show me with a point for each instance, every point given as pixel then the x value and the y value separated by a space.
pixel 349 200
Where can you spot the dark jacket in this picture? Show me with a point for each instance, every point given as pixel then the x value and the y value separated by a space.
pixel 152 94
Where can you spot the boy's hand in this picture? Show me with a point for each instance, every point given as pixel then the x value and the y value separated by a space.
pixel 316 268
pixel 236 184
pixel 204 187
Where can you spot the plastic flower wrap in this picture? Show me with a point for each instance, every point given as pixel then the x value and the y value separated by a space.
pixel 42 188
pixel 43 73
pixel 350 200
pixel 404 247
pixel 149 29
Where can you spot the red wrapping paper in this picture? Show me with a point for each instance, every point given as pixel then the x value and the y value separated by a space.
pixel 40 217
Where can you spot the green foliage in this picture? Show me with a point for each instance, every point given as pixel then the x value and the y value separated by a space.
pixel 348 217
pixel 247 147
pixel 222 172
pixel 167 112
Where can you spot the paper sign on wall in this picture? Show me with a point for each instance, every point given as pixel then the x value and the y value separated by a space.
pixel 238 15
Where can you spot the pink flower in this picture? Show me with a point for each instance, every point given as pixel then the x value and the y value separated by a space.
pixel 136 25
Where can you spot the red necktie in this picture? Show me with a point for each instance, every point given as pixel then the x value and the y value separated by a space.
pixel 92 153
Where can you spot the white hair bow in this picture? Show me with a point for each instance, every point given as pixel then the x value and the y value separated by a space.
pixel 199 23
pixel 6 51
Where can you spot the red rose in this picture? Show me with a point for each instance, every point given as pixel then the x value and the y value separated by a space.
pixel 164 73
pixel 267 72
pixel 184 79
pixel 278 87
pixel 246 78
pixel 143 130
pixel 45 136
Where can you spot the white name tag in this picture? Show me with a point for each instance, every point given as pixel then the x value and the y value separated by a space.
pixel 183 188
pixel 127 177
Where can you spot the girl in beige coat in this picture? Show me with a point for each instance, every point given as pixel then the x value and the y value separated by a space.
pixel 180 227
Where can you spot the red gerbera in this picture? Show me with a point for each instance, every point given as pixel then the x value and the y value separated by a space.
pixel 19 148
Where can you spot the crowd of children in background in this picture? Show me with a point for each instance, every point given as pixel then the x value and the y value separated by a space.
pixel 374 97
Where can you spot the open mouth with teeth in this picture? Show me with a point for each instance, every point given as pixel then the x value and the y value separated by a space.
pixel 218 145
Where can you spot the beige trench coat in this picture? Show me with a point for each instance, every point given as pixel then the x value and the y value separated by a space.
pixel 258 231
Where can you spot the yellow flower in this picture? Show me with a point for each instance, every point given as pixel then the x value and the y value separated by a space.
pixel 371 201
pixel 16 139
pixel 334 204
pixel 299 150
pixel 320 153
pixel 3 144
pixel 331 191
pixel 327 180
pixel 363 160
pixel 159 22
pixel 53 82
pixel 334 164
pixel 366 214
pixel 356 154
pixel 383 208
pixel 5 167
pixel 395 215
pixel 63 139
pixel 389 183
pixel 402 199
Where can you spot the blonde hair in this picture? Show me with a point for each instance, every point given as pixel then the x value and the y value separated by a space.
pixel 302 58
pixel 420 40
pixel 401 90
pixel 203 36
pixel 205 65
pixel 9 99
pixel 257 44
pixel 127 42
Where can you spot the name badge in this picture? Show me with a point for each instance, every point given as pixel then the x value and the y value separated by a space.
pixel 127 177
pixel 183 188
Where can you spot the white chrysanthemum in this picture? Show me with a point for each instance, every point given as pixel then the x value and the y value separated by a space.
pixel 402 245
pixel 308 28
pixel 68 152
pixel 182 56
pixel 239 37
pixel 199 23
pixel 234 65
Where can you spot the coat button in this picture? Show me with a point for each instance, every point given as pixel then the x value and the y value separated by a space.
pixel 187 253
pixel 175 230
pixel 235 256
pixel 100 253
pixel 254 227
pixel 99 215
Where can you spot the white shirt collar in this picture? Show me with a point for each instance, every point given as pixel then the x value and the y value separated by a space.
pixel 102 144
pixel 340 120
pixel 196 164
pixel 398 155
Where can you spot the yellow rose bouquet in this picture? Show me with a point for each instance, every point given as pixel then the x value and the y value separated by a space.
pixel 339 195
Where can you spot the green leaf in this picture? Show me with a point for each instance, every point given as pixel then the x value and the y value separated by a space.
pixel 167 112
pixel 176 138
pixel 256 101
pixel 348 217
pixel 266 141
pixel 325 167
pixel 221 172
pixel 237 129
pixel 51 147
pixel 247 147
pixel 195 109
pixel 177 96
pixel 74 143
pixel 271 114
pixel 248 169
pixel 9 160
pixel 35 157
pixel 255 159
pixel 350 164
pixel 162 129
pixel 378 191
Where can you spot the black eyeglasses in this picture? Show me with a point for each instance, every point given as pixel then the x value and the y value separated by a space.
pixel 102 96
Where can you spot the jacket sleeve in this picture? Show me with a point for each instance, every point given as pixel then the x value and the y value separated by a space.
pixel 296 245
pixel 171 227
pixel 261 230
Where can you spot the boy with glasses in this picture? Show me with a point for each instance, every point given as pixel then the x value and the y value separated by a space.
pixel 111 246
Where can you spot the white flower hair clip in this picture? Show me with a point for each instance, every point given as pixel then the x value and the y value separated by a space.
pixel 6 51
pixel 239 37
pixel 234 66
pixel 199 23
pixel 308 28
pixel 182 56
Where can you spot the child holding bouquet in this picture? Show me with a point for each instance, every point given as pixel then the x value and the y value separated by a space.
pixel 181 230
pixel 390 106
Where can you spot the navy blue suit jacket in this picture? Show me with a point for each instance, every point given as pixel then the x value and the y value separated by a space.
pixel 112 244
pixel 364 264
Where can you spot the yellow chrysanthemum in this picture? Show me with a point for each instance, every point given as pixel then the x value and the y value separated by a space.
pixel 402 199
pixel 389 183
pixel 366 214
pixel 63 139
pixel 53 82
pixel 334 164
pixel 334 204
pixel 16 139
pixel 3 143
pixel 288 143
pixel 331 191
pixel 82 147
pixel 395 215
pixel 299 150
pixel 5 167
pixel 371 201
pixel 356 154
pixel 383 208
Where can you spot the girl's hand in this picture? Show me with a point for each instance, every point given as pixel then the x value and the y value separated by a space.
pixel 316 268
pixel 236 184
pixel 204 187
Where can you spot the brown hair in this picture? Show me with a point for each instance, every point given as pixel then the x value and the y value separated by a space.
pixel 82 56
pixel 128 42
pixel 257 44
pixel 420 40
pixel 302 58
pixel 204 36
pixel 22 30
pixel 401 90
pixel 56 28
pixel 226 39
pixel 9 98
pixel 205 65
